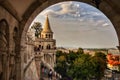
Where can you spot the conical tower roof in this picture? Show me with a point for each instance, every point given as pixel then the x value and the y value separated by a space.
pixel 46 27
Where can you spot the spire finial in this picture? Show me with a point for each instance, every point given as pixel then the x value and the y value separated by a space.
pixel 47 25
pixel 47 16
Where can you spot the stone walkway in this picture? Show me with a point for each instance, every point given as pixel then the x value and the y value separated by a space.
pixel 45 77
pixel 49 79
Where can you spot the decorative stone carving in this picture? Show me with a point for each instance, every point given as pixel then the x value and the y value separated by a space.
pixel 12 66
pixel 13 57
pixel 3 50
pixel 3 41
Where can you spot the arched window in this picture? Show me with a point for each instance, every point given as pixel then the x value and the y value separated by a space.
pixel 15 33
pixel 49 36
pixel 41 47
pixel 4 34
pixel 46 36
pixel 48 46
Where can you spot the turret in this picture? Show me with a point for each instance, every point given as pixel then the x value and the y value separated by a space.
pixel 47 32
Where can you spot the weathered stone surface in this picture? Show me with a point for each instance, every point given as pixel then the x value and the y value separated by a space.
pixel 31 72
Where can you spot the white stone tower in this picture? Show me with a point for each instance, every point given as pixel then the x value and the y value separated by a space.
pixel 47 45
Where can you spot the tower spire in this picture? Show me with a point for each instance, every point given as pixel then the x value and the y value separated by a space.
pixel 47 27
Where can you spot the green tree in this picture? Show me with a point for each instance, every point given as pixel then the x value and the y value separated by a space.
pixel 71 57
pixel 98 67
pixel 81 68
pixel 61 66
pixel 80 51
pixel 58 53
pixel 101 55
pixel 86 67
pixel 38 28
pixel 62 59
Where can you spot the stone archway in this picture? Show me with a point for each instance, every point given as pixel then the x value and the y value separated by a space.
pixel 105 7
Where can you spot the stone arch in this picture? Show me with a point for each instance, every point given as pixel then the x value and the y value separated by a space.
pixel 4 34
pixel 4 48
pixel 4 30
pixel 13 54
pixel 104 7
pixel 33 11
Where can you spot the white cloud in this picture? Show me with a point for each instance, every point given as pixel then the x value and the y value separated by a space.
pixel 66 10
pixel 94 13
pixel 49 12
pixel 105 24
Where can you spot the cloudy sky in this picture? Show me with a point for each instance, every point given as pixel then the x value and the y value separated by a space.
pixel 77 24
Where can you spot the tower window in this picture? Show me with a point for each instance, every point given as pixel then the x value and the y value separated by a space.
pixel 49 36
pixel 46 35
pixel 41 47
pixel 48 46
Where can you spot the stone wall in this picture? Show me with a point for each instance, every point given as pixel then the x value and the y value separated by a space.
pixel 7 45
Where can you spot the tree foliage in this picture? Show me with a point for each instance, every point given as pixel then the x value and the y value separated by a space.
pixel 101 55
pixel 80 51
pixel 80 66
pixel 71 57
pixel 38 28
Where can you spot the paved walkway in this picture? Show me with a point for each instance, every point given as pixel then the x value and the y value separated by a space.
pixel 45 77
pixel 49 79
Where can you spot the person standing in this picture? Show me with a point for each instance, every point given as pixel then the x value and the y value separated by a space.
pixel 50 73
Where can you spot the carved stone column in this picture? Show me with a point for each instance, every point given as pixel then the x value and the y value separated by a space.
pixel 4 66
pixel 50 59
pixel 38 64
pixel 18 67
pixel 12 66
pixel 21 62
pixel 4 61
pixel 54 60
